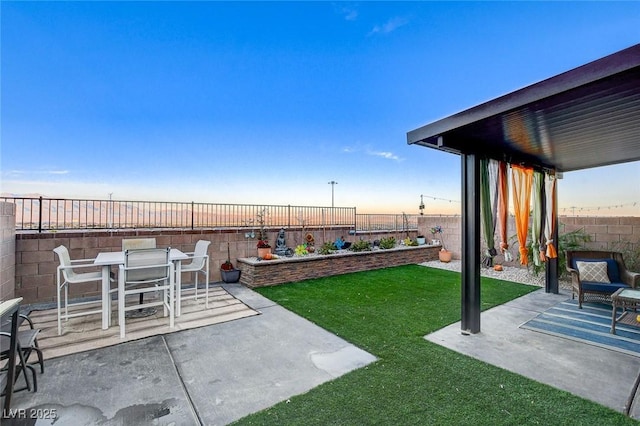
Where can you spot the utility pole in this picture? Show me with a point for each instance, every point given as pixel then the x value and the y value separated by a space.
pixel 333 183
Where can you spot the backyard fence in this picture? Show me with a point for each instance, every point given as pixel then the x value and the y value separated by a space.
pixel 53 214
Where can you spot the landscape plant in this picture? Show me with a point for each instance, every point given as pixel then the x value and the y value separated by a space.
pixel 360 245
pixel 301 250
pixel 438 230
pixel 387 312
pixel 227 265
pixel 572 240
pixel 261 219
pixel 409 242
pixel 302 221
pixel 630 253
pixel 387 242
pixel 327 248
pixel 405 224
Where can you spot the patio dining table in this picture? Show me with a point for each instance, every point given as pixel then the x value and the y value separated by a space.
pixel 114 258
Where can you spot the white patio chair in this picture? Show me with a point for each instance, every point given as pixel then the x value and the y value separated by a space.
pixel 138 243
pixel 199 265
pixel 145 271
pixel 66 275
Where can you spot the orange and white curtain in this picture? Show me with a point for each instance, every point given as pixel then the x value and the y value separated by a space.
pixel 522 178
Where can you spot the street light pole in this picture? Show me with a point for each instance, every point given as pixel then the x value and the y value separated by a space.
pixel 332 183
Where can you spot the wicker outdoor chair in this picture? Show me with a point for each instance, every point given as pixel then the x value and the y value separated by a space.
pixel 599 290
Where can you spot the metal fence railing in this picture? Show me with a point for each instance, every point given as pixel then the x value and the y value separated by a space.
pixel 47 214
pixel 386 222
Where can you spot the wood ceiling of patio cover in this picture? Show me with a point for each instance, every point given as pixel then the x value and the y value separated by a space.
pixel 583 118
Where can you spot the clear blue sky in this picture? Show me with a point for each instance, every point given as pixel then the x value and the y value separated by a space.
pixel 267 102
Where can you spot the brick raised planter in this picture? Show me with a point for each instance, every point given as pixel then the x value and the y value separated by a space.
pixel 260 273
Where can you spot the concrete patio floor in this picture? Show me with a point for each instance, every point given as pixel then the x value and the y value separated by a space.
pixel 211 375
pixel 597 374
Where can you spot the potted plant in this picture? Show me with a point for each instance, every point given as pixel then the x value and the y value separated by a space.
pixel 444 255
pixel 228 273
pixel 421 240
pixel 264 248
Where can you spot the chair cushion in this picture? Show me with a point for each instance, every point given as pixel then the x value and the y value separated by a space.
pixel 608 288
pixel 613 271
pixel 593 271
pixel 612 267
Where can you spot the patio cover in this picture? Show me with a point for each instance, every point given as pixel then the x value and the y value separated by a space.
pixel 583 118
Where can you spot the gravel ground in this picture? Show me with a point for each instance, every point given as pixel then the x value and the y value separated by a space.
pixel 510 273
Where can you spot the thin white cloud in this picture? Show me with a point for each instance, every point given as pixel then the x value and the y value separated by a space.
pixel 390 26
pixel 348 11
pixel 35 172
pixel 382 154
pixel 385 154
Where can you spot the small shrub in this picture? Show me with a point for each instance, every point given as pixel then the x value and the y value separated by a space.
pixel 327 248
pixel 574 240
pixel 630 253
pixel 387 243
pixel 301 250
pixel 361 245
pixel 409 242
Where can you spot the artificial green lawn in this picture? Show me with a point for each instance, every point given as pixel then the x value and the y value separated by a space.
pixel 387 312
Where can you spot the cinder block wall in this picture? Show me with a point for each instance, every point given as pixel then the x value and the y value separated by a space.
pixel 35 262
pixel 607 233
pixel 451 231
pixel 7 251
